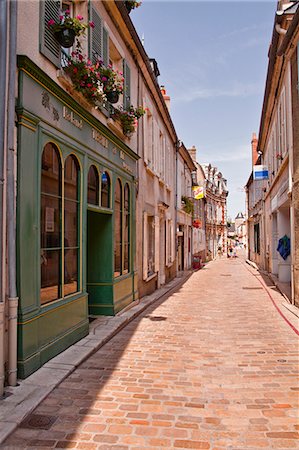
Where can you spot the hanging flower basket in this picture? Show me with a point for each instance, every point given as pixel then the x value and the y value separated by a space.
pixel 131 4
pixel 112 96
pixel 66 28
pixel 65 37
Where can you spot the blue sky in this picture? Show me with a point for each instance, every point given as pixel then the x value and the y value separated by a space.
pixel 213 59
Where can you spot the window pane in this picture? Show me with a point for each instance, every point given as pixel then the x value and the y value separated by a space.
pixel 93 186
pixel 70 223
pixel 117 230
pixel 126 228
pixel 105 190
pixel 71 271
pixel 71 173
pixel 50 222
pixel 50 275
pixel 51 171
pixel 151 246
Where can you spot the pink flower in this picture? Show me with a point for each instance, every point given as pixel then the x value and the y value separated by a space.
pixel 61 17
pixel 51 22
pixel 67 11
pixel 89 85
pixel 79 17
pixel 75 70
pixel 104 79
pixel 91 24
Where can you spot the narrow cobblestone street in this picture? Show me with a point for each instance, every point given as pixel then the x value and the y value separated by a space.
pixel 214 366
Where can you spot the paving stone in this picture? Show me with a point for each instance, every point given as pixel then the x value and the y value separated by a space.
pixel 213 366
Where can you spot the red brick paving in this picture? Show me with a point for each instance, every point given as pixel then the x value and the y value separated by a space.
pixel 217 370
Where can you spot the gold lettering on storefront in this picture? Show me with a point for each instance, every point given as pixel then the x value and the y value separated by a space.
pixel 99 138
pixel 69 116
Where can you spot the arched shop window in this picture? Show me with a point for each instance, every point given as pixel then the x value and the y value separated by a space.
pixel 118 229
pixel 71 224
pixel 59 255
pixel 93 186
pixel 105 190
pixel 126 229
pixel 50 236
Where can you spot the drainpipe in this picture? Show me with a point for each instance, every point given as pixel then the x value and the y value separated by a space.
pixel 3 67
pixel 11 198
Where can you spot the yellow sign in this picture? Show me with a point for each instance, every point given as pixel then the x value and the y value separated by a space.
pixel 198 192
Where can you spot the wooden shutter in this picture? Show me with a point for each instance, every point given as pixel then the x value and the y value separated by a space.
pixel 157 243
pixel 127 85
pixel 96 36
pixel 172 242
pixel 105 47
pixel 145 246
pixel 49 46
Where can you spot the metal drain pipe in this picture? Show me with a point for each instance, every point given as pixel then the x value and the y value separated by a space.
pixel 3 83
pixel 11 200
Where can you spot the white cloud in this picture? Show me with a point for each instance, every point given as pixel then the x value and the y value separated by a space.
pixel 239 90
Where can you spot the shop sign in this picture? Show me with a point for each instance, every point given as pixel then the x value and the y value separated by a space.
pixel 198 192
pixel 260 172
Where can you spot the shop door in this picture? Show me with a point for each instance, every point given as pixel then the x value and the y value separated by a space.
pixel 99 260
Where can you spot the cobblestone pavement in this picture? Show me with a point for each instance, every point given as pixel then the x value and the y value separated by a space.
pixel 214 366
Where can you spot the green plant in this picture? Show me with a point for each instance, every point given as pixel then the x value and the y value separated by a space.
pixel 128 118
pixel 85 76
pixel 188 205
pixel 131 4
pixel 73 23
pixel 111 79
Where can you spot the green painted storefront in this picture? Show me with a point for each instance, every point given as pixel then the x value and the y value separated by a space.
pixel 48 117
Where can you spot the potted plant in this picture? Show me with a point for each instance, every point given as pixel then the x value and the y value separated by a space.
pixel 188 206
pixel 66 28
pixel 128 118
pixel 86 77
pixel 113 82
pixel 131 4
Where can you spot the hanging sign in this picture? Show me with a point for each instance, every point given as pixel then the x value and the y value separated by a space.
pixel 198 192
pixel 260 172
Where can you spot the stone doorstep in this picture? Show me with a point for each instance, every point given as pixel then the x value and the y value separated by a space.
pixel 24 398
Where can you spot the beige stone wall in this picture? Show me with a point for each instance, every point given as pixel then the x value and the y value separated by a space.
pixel 295 193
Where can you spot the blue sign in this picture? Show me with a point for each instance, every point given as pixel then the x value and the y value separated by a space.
pixel 260 173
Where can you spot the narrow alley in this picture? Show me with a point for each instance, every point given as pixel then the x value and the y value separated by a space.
pixel 214 366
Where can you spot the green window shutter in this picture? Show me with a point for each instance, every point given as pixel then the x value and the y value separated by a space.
pixel 96 36
pixel 49 46
pixel 105 47
pixel 127 85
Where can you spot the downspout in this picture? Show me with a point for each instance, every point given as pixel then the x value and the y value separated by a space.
pixel 11 198
pixel 3 67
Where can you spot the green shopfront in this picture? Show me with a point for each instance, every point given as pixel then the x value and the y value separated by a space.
pixel 75 219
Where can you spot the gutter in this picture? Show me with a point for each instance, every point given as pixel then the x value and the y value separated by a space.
pixel 289 35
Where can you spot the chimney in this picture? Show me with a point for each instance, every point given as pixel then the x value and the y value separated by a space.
pixel 165 96
pixel 192 152
pixel 255 155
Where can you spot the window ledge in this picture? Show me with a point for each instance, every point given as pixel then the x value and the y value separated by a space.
pixel 161 181
pixel 151 277
pixel 116 128
pixel 150 170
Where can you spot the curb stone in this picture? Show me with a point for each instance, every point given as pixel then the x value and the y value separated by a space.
pixel 18 402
